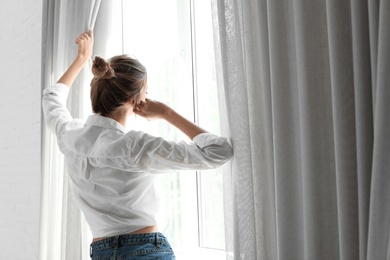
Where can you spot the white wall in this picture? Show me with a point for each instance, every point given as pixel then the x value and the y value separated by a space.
pixel 20 129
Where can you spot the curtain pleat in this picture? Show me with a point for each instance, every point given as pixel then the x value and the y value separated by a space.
pixel 364 115
pixel 306 94
pixel 379 219
pixel 343 106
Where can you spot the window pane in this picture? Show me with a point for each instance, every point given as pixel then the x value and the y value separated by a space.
pixel 157 33
pixel 210 182
pixel 161 38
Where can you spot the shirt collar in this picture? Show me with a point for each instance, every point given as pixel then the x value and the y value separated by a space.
pixel 105 122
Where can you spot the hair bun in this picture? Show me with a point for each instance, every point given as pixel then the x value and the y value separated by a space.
pixel 101 69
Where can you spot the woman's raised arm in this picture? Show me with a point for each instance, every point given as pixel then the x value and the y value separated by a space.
pixel 85 46
pixel 151 109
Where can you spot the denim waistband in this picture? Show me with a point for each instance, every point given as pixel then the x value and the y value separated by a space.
pixel 129 239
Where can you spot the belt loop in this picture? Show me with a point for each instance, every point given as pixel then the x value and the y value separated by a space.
pixel 116 245
pixel 158 242
pixel 116 242
pixel 90 251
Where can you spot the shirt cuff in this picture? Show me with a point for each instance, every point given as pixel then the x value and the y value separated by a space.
pixel 59 90
pixel 205 139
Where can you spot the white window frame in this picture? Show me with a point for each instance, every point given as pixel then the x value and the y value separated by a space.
pixel 199 251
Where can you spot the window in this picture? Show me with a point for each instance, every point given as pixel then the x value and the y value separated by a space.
pixel 174 40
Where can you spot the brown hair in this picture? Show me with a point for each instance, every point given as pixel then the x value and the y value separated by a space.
pixel 115 82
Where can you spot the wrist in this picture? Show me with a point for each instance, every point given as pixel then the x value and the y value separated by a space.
pixel 81 59
pixel 168 113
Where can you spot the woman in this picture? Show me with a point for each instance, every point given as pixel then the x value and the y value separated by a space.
pixel 110 169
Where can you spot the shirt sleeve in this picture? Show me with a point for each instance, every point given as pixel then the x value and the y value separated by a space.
pixel 57 116
pixel 154 154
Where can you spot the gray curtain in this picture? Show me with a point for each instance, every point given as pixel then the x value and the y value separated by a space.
pixel 306 91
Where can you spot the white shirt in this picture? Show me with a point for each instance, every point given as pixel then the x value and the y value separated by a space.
pixel 111 171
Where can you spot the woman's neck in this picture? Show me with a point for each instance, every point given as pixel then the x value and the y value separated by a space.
pixel 120 116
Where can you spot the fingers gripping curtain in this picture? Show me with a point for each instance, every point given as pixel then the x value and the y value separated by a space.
pixel 61 226
pixel 306 87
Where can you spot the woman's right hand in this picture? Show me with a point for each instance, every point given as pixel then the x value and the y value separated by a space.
pixel 151 109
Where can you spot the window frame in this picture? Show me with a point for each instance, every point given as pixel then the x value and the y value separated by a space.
pixel 200 250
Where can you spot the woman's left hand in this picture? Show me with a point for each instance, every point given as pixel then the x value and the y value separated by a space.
pixel 85 45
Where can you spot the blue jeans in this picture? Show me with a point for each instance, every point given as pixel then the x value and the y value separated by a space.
pixel 132 246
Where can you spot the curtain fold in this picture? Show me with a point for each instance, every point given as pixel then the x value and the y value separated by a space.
pixel 305 89
pixel 63 231
pixel 379 218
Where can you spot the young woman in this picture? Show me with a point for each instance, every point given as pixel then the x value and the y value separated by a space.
pixel 110 170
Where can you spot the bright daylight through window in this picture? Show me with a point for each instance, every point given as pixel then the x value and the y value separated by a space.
pixel 174 40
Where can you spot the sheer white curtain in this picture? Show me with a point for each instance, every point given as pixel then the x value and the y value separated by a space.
pixel 306 86
pixel 63 232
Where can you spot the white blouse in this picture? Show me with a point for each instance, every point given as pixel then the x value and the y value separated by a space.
pixel 111 171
